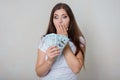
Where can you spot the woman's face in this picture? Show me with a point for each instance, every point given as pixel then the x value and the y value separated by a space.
pixel 61 17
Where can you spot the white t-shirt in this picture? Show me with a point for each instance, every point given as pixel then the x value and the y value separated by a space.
pixel 60 69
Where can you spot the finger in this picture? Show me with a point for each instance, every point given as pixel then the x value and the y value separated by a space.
pixel 54 49
pixel 58 29
pixel 49 49
pixel 63 27
pixel 53 56
pixel 54 53
pixel 64 30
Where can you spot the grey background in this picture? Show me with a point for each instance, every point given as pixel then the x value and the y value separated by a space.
pixel 23 22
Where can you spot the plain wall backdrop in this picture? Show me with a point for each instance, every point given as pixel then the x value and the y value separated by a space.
pixel 23 22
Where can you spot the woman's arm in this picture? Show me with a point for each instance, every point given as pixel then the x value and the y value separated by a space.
pixel 74 62
pixel 43 66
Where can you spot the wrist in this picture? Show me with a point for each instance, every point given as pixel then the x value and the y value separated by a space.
pixel 49 61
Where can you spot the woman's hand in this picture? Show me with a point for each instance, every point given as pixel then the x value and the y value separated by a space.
pixel 61 29
pixel 52 52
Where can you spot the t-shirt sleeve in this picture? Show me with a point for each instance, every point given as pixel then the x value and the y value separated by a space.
pixel 41 45
pixel 82 41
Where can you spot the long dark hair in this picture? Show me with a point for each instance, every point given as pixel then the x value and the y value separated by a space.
pixel 74 32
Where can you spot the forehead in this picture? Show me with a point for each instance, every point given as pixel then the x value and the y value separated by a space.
pixel 60 12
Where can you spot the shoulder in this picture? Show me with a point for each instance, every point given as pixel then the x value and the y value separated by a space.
pixel 82 41
pixel 40 42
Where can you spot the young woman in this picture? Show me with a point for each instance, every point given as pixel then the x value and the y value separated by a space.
pixel 66 66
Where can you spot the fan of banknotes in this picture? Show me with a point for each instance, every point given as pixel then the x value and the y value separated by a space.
pixel 54 40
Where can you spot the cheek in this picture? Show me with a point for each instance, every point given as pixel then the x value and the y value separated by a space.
pixel 66 22
pixel 55 23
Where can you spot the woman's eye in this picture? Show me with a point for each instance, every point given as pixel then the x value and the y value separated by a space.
pixel 64 17
pixel 55 17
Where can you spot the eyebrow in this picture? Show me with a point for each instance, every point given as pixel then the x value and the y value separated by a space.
pixel 62 14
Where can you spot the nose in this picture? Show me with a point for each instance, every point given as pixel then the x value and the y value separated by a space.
pixel 60 20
